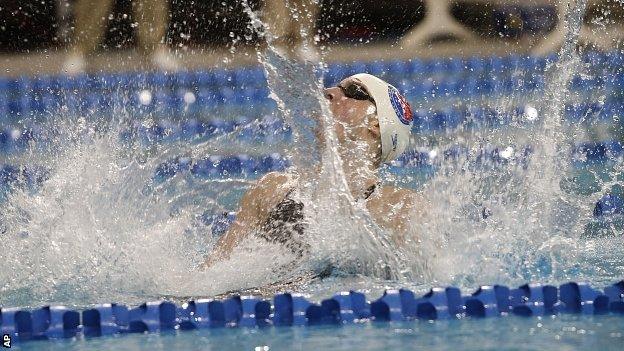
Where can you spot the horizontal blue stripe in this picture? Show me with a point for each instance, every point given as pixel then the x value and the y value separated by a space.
pixel 58 322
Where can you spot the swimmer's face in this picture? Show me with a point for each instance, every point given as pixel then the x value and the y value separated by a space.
pixel 354 110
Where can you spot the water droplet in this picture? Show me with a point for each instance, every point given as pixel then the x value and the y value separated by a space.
pixel 530 113
pixel 145 97
pixel 507 153
pixel 189 97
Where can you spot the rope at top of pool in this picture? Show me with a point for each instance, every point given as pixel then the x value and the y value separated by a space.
pixel 289 309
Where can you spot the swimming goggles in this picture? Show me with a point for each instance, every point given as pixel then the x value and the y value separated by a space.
pixel 355 91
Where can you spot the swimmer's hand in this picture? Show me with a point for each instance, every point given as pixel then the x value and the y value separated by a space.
pixel 255 206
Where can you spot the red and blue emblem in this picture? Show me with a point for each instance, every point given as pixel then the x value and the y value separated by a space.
pixel 401 106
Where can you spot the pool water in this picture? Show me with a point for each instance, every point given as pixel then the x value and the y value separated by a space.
pixel 564 332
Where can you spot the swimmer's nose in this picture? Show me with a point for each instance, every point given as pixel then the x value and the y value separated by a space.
pixel 331 93
pixel 328 95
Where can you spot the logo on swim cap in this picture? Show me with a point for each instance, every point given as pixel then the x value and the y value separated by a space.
pixel 400 105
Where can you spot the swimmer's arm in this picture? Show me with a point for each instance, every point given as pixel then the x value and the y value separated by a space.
pixel 239 229
pixel 254 207
pixel 321 141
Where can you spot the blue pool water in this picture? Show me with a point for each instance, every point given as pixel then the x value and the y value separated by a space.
pixel 567 332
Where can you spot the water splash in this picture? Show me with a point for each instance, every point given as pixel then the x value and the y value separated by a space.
pixel 515 222
pixel 101 228
pixel 356 243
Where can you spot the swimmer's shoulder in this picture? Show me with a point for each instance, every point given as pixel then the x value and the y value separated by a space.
pixel 402 204
pixel 268 191
pixel 403 197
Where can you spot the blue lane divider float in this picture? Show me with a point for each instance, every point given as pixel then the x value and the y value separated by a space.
pixel 190 92
pixel 489 301
pixel 288 309
pixel 222 166
pixel 246 165
pixel 534 300
pixel 266 128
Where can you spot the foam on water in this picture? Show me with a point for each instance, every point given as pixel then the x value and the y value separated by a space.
pixel 101 229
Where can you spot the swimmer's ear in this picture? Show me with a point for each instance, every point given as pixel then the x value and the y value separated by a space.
pixel 373 127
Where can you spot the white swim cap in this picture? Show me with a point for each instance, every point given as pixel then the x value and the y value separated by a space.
pixel 394 114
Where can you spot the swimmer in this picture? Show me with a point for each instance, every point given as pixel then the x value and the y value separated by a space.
pixel 372 124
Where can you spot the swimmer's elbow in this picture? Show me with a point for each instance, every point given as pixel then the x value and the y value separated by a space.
pixel 271 180
pixel 226 244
